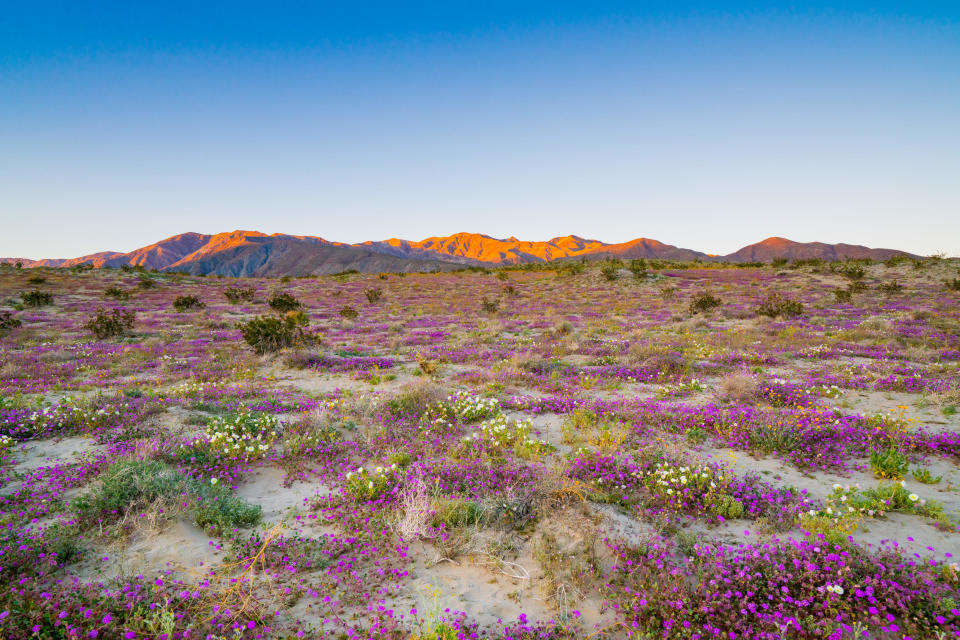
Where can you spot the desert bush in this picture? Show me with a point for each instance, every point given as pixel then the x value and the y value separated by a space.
pixel 489 305
pixel 456 514
pixel 740 387
pixel 843 295
pixel 413 519
pixel 267 334
pixel 770 438
pixel 187 303
pixel 610 272
pixel 36 280
pixel 666 364
pixel 776 304
pixel 562 328
pixel 37 298
pixel 116 293
pixel 703 302
pixel 851 271
pixel 891 287
pixel 111 324
pixel 414 398
pixel 373 295
pixel 570 269
pixel 638 267
pixel 236 295
pixel 668 292
pixel 349 312
pixel 146 282
pixel 8 322
pixel 364 486
pixel 953 284
pixel 779 262
pixel 896 260
pixel 283 302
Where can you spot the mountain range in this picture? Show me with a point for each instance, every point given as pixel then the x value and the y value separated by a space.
pixel 251 253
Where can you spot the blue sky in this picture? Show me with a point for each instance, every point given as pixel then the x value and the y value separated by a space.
pixel 704 125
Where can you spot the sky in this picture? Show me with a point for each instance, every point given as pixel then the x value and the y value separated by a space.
pixel 705 125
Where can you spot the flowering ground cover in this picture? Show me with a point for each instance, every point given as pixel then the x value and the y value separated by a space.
pixel 586 451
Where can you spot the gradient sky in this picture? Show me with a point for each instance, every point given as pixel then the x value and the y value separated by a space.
pixel 705 125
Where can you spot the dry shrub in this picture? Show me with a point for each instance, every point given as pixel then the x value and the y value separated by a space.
pixel 738 386
pixel 414 397
pixel 413 519
pixel 667 363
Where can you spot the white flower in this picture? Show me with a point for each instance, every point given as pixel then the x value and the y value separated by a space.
pixel 914 497
pixel 213 481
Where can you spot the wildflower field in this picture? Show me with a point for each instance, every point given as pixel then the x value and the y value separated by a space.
pixel 568 450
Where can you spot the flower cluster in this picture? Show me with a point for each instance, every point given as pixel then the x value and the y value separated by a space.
pixel 247 436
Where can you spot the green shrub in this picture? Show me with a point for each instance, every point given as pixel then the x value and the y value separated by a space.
pixel 891 287
pixel 570 269
pixel 889 463
pixel 727 507
pixel 843 295
pixel 283 302
pixel 776 304
pixel 610 272
pixel 236 295
pixel 37 298
pixel 952 285
pixel 187 303
pixel 111 324
pixel 456 514
pixel 769 438
pixel 349 312
pixel 8 322
pixel 638 268
pixel 126 486
pixel 924 476
pixel 116 293
pixel 36 280
pixel 131 485
pixel 373 295
pixel 851 271
pixel 267 334
pixel 146 282
pixel 703 302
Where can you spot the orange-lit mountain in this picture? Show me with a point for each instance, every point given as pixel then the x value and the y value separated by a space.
pixel 252 253
pixel 475 248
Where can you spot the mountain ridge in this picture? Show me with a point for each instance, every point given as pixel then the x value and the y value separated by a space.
pixel 254 253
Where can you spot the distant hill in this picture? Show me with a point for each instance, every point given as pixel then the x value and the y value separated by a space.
pixel 644 248
pixel 773 248
pixel 252 253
